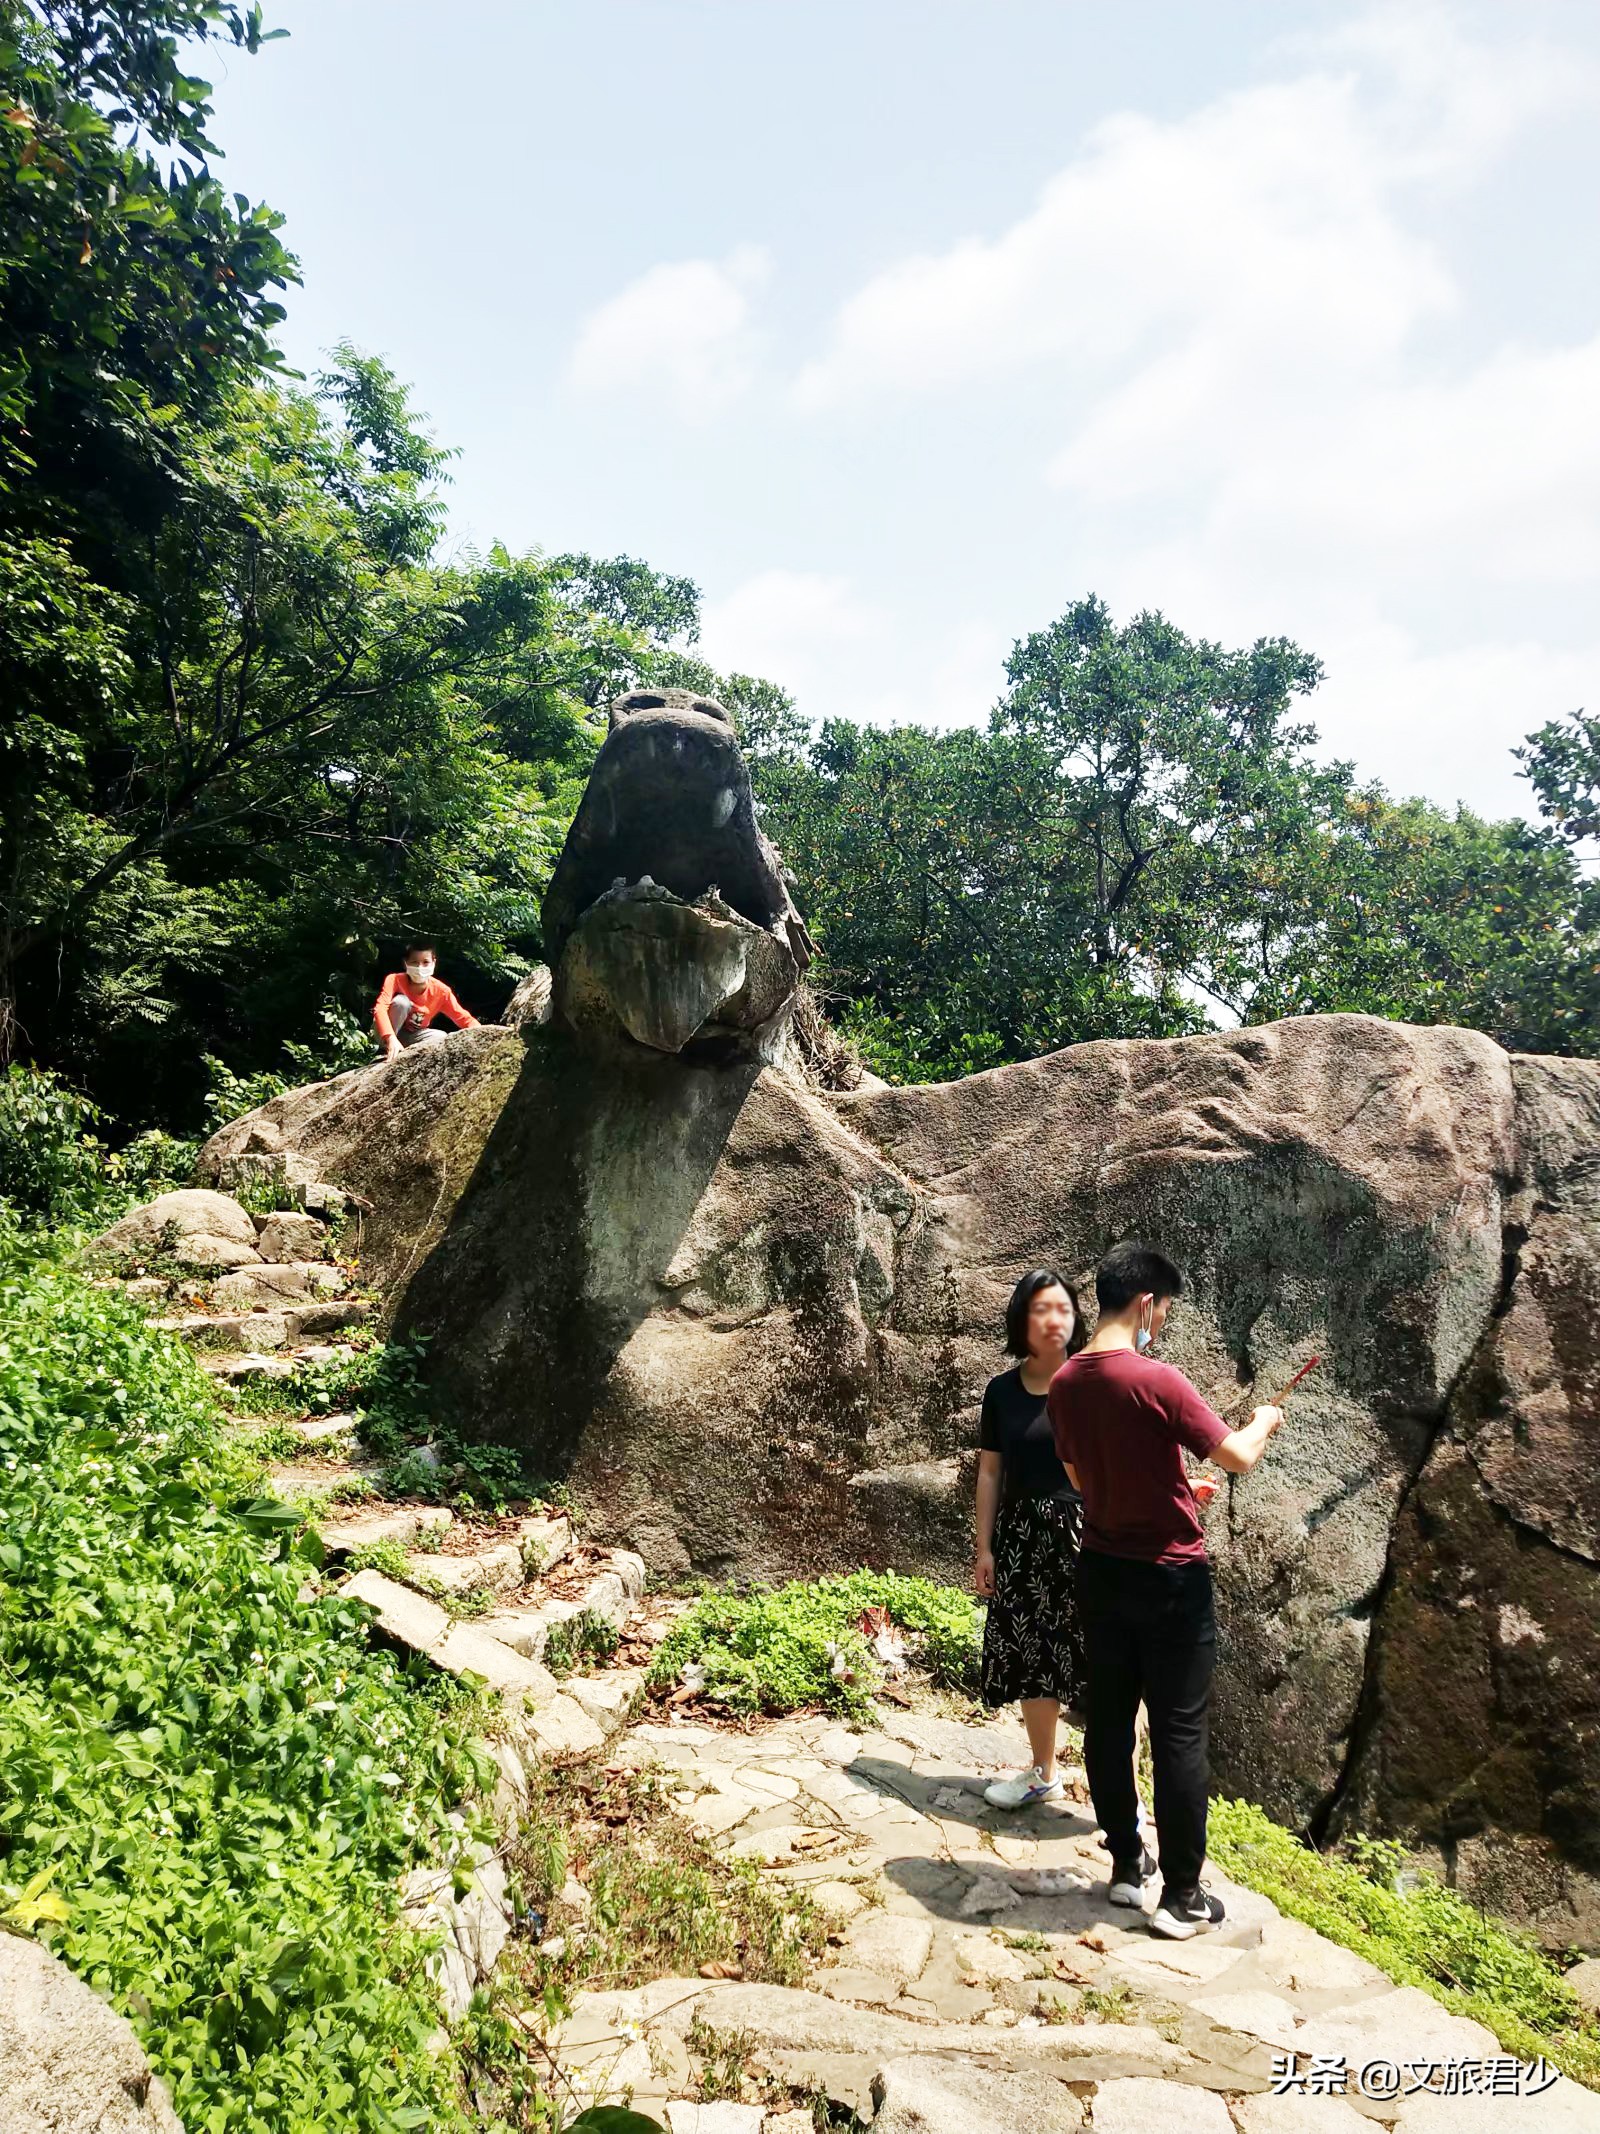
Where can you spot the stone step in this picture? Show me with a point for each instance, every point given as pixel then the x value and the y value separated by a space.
pixel 315 1478
pixel 291 1234
pixel 613 1593
pixel 345 1531
pixel 496 1570
pixel 330 1431
pixel 539 1542
pixel 258 1333
pixel 268 1287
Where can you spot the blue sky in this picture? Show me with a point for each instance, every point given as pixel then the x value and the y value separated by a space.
pixel 898 325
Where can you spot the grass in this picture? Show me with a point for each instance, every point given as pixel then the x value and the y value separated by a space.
pixel 658 1901
pixel 798 1646
pixel 1419 1933
pixel 661 1901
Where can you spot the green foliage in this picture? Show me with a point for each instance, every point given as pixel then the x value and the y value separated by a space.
pixel 388 1556
pixel 799 1645
pixel 132 284
pixel 222 1779
pixel 585 1636
pixel 55 1170
pixel 1143 836
pixel 1417 1930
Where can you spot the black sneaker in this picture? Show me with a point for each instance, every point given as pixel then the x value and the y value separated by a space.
pixel 1184 1912
pixel 1128 1880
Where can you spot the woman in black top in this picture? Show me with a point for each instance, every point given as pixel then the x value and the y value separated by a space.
pixel 1030 1522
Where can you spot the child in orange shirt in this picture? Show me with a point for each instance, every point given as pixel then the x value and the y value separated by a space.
pixel 411 999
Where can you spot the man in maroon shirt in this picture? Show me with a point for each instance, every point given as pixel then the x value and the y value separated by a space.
pixel 1122 1424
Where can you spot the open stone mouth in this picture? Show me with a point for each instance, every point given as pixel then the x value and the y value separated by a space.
pixel 668 915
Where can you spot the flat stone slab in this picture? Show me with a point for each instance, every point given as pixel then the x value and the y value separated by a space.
pixel 1137 2105
pixel 898 1948
pixel 684 2117
pixel 1296 1956
pixel 268 1286
pixel 464 1649
pixel 921 2094
pixel 404 1523
pixel 607 1698
pixel 1267 2114
pixel 545 1539
pixel 561 1727
pixel 495 1570
pixel 525 1630
pixel 291 1484
pixel 404 1615
pixel 290 1235
pixel 328 1318
pixel 323 1429
pixel 1257 2013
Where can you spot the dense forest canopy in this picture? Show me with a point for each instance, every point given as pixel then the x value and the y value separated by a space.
pixel 258 721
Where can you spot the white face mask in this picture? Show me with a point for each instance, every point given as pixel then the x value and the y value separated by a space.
pixel 1143 1338
pixel 419 973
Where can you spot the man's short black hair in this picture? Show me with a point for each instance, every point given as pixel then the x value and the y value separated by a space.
pixel 421 948
pixel 1131 1270
pixel 1022 1297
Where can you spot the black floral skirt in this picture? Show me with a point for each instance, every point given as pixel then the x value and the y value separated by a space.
pixel 1032 1646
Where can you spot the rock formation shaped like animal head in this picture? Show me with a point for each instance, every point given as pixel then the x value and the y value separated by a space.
pixel 668 917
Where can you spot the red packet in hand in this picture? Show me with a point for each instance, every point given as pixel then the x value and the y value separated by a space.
pixel 1204 1489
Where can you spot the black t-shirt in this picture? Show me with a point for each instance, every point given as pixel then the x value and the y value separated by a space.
pixel 1016 1425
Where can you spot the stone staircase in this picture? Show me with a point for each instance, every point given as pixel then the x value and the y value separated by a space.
pixel 493 1599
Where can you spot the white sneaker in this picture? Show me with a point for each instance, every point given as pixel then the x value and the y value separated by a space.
pixel 1023 1790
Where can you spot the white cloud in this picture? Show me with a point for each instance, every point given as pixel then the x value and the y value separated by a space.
pixel 842 655
pixel 682 331
pixel 1261 393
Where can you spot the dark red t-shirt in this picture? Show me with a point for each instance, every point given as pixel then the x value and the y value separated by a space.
pixel 1122 1422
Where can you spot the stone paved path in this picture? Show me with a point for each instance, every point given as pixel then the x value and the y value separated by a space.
pixel 981 1983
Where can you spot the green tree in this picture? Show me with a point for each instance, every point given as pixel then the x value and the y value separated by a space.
pixel 1143 841
pixel 134 289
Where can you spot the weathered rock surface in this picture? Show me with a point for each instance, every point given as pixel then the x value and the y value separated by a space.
pixel 68 2063
pixel 199 1228
pixel 749 1323
pixel 924 2095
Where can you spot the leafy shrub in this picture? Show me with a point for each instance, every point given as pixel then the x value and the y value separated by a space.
pixel 219 1781
pixel 585 1636
pixel 799 1644
pixel 341 1043
pixel 1416 1930
pixel 54 1168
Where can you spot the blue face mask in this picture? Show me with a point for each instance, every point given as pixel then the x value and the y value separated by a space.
pixel 1143 1338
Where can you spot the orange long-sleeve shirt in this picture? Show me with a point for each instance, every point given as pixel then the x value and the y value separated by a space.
pixel 433 997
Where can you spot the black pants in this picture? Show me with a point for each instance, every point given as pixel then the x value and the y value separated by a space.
pixel 1149 1632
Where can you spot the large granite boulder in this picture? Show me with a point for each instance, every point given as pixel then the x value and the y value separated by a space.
pixel 747 1320
pixel 668 919
pixel 68 2063
pixel 199 1229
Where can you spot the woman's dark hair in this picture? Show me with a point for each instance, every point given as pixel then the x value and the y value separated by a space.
pixel 1022 1297
pixel 1132 1270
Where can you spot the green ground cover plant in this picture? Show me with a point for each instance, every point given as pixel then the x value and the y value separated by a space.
pixel 209 1783
pixel 799 1645
pixel 660 1900
pixel 1417 1930
pixel 586 1636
